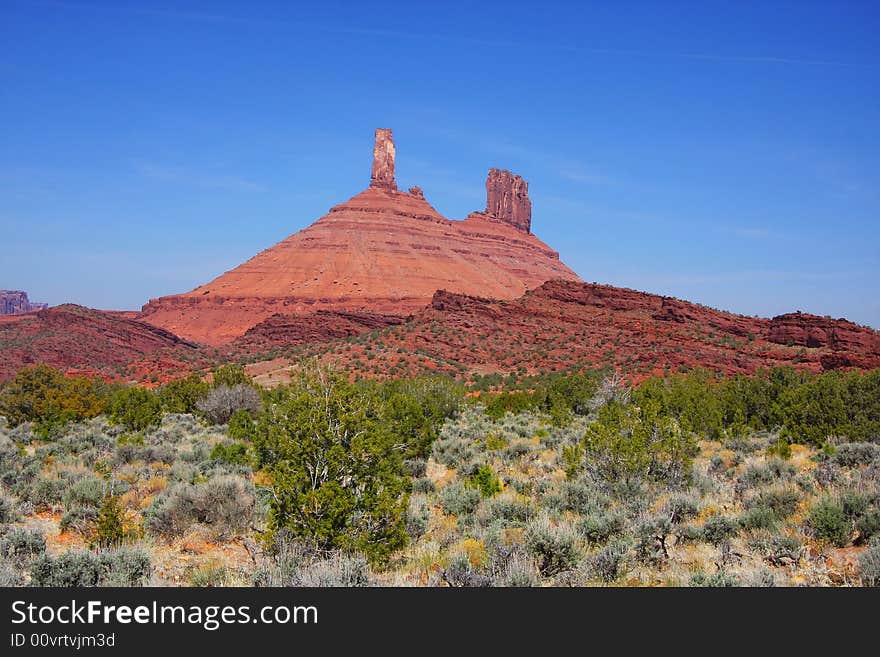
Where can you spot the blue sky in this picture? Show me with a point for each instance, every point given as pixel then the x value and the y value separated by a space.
pixel 727 153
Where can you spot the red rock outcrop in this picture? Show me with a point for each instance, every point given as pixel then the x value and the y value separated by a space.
pixel 564 324
pixel 383 161
pixel 383 251
pixel 808 330
pixel 507 199
pixel 15 302
pixel 324 325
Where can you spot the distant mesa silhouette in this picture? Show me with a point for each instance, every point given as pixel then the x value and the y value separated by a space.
pixel 16 302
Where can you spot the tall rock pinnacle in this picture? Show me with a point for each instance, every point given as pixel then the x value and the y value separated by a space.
pixel 383 160
pixel 507 199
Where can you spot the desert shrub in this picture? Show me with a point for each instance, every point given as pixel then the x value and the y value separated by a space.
pixel 209 574
pixel 578 496
pixel 123 567
pixel 485 481
pixel 827 474
pixel 459 500
pixel 761 578
pixel 417 517
pixel 553 546
pixel 766 473
pixel 339 570
pixel 682 507
pixel 79 519
pixel 758 517
pixel 519 571
pixel 609 562
pixel 718 529
pixel 516 450
pixel 225 504
pixel 460 571
pixel 223 401
pixel 423 485
pixel 8 511
pixel 781 500
pixel 869 566
pixel 510 511
pixel 651 536
pixel 868 525
pixel 850 455
pixel 855 503
pixel 44 492
pixel 137 409
pixel 717 464
pixel 85 492
pixel 20 545
pixel 130 452
pixel 597 527
pixel 415 467
pixel 455 444
pixel 720 578
pixel 828 521
pixel 10 573
pixel 689 533
pixel 776 548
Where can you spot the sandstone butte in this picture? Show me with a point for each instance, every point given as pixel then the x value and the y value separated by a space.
pixel 382 251
pixel 16 302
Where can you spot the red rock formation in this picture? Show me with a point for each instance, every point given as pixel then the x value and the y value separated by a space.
pixel 15 302
pixel 323 325
pixel 507 199
pixel 383 161
pixel 71 336
pixel 808 330
pixel 562 324
pixel 382 251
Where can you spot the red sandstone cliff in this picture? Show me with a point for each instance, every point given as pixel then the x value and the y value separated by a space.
pixel 383 251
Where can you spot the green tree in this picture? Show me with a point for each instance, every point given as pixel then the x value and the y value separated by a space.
pixel 109 526
pixel 43 395
pixel 230 375
pixel 631 442
pixel 135 408
pixel 181 396
pixel 336 466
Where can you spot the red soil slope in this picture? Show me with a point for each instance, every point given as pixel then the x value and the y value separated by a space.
pixel 563 324
pixel 73 338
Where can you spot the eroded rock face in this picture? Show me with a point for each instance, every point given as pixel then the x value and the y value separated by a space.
pixel 15 302
pixel 507 199
pixel 805 330
pixel 383 161
pixel 383 251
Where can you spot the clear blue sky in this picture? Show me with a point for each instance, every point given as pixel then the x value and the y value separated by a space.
pixel 727 153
